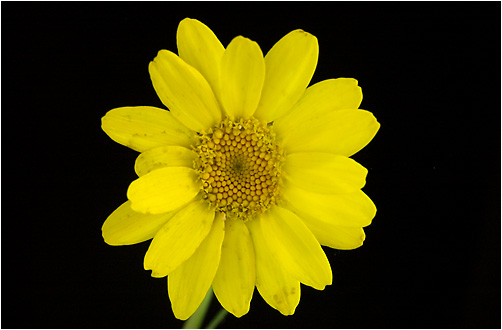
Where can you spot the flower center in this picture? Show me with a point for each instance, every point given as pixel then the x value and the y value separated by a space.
pixel 239 164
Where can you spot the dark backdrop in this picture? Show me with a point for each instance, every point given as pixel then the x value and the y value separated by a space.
pixel 430 72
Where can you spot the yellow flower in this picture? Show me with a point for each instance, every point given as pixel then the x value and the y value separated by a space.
pixel 246 175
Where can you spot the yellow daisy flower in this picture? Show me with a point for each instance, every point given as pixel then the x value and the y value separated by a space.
pixel 246 175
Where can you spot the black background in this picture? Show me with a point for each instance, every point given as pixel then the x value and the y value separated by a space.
pixel 430 72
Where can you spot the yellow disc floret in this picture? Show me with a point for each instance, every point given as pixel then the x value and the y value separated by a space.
pixel 239 164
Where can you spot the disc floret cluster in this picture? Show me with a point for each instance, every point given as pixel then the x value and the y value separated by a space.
pixel 239 164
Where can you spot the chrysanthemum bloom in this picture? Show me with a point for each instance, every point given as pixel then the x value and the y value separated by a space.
pixel 246 175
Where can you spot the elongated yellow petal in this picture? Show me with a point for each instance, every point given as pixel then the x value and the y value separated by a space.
pixel 242 76
pixel 352 209
pixel 322 98
pixel 291 242
pixel 189 282
pixel 144 128
pixel 336 237
pixel 184 91
pixel 163 190
pixel 324 173
pixel 346 238
pixel 342 132
pixel 162 157
pixel 235 279
pixel 178 239
pixel 277 287
pixel 290 65
pixel 125 226
pixel 199 47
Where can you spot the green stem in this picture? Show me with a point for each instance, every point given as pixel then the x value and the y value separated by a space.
pixel 195 321
pixel 217 319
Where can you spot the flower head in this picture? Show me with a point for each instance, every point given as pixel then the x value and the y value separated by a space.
pixel 246 175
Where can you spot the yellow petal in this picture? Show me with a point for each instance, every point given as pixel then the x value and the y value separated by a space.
pixel 277 287
pixel 178 239
pixel 162 157
pixel 163 190
pixel 184 91
pixel 324 173
pixel 295 246
pixel 324 97
pixel 189 282
pixel 345 238
pixel 144 128
pixel 242 76
pixel 199 47
pixel 342 132
pixel 125 226
pixel 336 237
pixel 352 210
pixel 290 65
pixel 235 279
